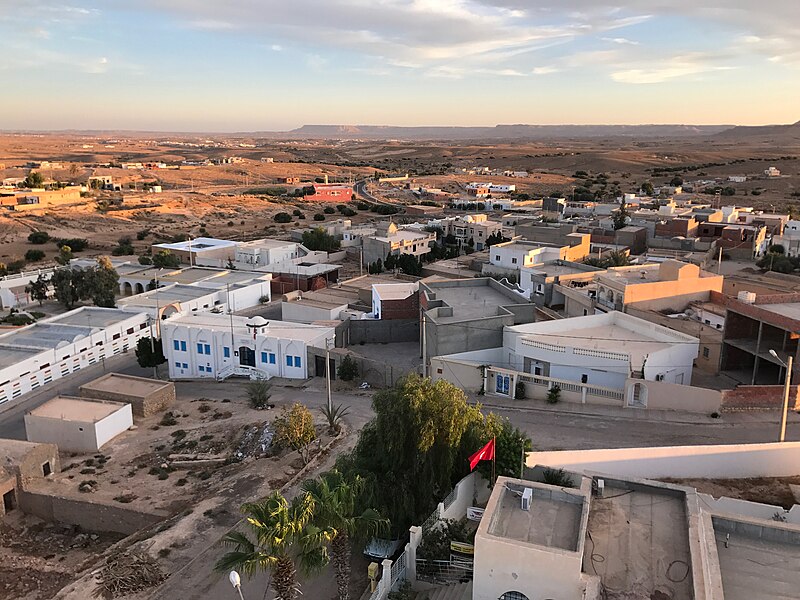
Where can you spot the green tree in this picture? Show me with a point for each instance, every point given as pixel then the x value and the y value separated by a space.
pixel 318 239
pixel 510 446
pixel 647 188
pixel 409 264
pixel 33 180
pixel 150 357
pixel 620 216
pixel 258 394
pixel 282 217
pixel 64 255
pixel 38 289
pixel 33 255
pixel 164 259
pixel 38 237
pixel 496 238
pixel 409 454
pixel 348 369
pixel 281 539
pixel 335 510
pixel 69 286
pixel 294 429
pixel 103 283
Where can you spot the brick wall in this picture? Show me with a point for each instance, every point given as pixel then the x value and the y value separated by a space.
pixel 408 308
pixel 141 406
pixel 759 397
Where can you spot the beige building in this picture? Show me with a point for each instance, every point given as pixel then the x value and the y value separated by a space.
pixel 146 396
pixel 390 239
pixel 37 199
pixel 668 285
pixel 473 227
pixel 77 424
pixel 20 462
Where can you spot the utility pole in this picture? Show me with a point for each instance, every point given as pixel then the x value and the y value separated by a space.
pixel 424 346
pixel 328 373
pixel 153 349
pixel 719 261
pixel 361 259
pixel 786 386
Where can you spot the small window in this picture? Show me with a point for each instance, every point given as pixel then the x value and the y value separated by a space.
pixel 297 361
pixel 497 257
pixel 201 368
pixel 271 358
pixel 705 352
pixel 116 336
pixel 47 469
pixel 129 331
pixel 513 261
pixel 143 326
pixel 183 346
pixel 207 348
pixel 177 365
pixel 199 348
pixel 176 344
pixel 226 352
pixel 264 357
pixel 288 361
pixel 185 366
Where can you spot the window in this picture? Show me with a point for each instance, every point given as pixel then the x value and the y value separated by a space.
pixel 199 348
pixel 288 361
pixel 513 261
pixel 201 368
pixel 264 357
pixel 226 352
pixel 183 346
pixel 177 365
pixel 513 596
pixel 176 345
pixel 497 257
pixel 271 358
pixel 208 370
pixel 116 336
pixel 705 352
pixel 129 331
pixel 297 361
pixel 207 349
pixel 46 469
pixel 185 366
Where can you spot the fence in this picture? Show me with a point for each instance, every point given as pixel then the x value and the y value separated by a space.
pixel 443 572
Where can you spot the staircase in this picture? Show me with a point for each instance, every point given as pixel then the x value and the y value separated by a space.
pixel 458 591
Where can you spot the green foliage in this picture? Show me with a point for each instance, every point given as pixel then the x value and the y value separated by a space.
pixel 348 369
pixel 38 237
pixel 33 180
pixel 676 181
pixel 258 394
pixel 780 263
pixel 618 258
pixel 319 217
pixel 621 216
pixel 34 255
pixel 98 283
pixel 647 188
pixel 140 235
pixel 282 217
pixel 298 213
pixel 334 416
pixel 318 239
pixel 435 544
pixel 64 255
pixel 294 429
pixel 281 538
pixel 496 238
pixel 75 244
pixel 329 210
pixel 777 249
pixel 404 592
pixel 124 247
pixel 376 267
pixel 558 477
pixel 148 357
pixel 348 212
pixel 164 259
pixel 144 259
pixel 519 390
pixel 38 289
pixel 554 395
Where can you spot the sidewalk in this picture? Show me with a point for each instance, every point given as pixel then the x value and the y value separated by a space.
pixel 632 414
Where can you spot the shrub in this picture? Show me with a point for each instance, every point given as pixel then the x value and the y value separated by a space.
pixel 557 477
pixel 168 419
pixel 554 395
pixel 519 390
pixel 34 255
pixel 140 235
pixel 258 394
pixel 294 430
pixel 282 217
pixel 75 244
pixel 263 299
pixel 329 210
pixel 319 217
pixel 39 237
pixel 348 369
pixel 334 417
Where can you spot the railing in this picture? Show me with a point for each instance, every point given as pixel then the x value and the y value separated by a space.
pixel 443 571
pixel 451 497
pixel 571 386
pixel 431 521
pixel 398 572
pixel 543 345
pixel 601 354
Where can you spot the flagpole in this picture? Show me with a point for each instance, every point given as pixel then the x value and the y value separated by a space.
pixel 494 459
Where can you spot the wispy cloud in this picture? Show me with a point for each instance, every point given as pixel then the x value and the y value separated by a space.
pixel 621 40
pixel 544 70
pixel 675 68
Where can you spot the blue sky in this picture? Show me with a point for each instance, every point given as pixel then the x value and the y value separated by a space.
pixel 247 65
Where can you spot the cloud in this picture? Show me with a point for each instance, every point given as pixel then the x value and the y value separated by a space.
pixel 211 24
pixel 675 68
pixel 544 70
pixel 276 48
pixel 621 41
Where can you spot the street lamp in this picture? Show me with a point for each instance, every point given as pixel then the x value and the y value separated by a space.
pixel 236 582
pixel 786 385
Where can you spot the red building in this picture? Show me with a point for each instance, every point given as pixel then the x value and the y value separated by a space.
pixel 331 192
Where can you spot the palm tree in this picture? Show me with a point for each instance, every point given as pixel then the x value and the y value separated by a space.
pixel 335 498
pixel 283 539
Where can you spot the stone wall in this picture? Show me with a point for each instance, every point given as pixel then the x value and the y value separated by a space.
pixel 759 397
pixel 141 405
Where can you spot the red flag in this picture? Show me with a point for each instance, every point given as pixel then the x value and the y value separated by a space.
pixel 485 453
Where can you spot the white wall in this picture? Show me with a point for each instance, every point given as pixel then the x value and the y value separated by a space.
pixel 724 461
pixel 114 424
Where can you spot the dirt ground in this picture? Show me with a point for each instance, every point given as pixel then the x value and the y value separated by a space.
pixel 767 490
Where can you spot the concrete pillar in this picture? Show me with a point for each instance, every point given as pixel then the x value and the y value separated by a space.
pixel 386 577
pixel 758 349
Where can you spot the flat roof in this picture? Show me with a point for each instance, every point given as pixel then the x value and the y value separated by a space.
pixel 557 268
pixel 198 244
pixel 470 298
pixel 14 451
pixel 638 542
pixel 553 520
pixel 276 329
pixel 10 356
pixel 167 295
pixel 396 291
pixel 77 410
pixel 757 562
pixel 131 385
pixel 784 309
pixel 91 317
pixel 267 243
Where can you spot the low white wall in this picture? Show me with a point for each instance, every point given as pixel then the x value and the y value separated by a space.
pixel 114 424
pixel 725 461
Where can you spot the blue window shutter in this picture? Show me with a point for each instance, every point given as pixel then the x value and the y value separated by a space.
pixel 199 348
pixel 271 358
pixel 176 345
pixel 208 349
pixel 296 361
pixel 183 347
pixel 263 357
pixel 288 361
pixel 185 366
pixel 226 352
pixel 178 365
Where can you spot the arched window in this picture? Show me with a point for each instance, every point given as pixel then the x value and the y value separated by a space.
pixel 513 596
pixel 610 296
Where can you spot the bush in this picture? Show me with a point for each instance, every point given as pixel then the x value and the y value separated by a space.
pixel 348 212
pixel 258 394
pixel 140 235
pixel 75 244
pixel 282 217
pixel 519 390
pixel 39 237
pixel 34 255
pixel 294 430
pixel 554 395
pixel 319 217
pixel 168 419
pixel 329 210
pixel 557 477
pixel 348 369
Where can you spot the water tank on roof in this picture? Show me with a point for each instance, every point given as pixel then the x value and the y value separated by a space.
pixel 746 297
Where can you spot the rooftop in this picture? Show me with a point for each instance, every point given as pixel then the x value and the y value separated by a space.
pixel 198 244
pixel 14 451
pixel 757 562
pixel 77 410
pixel 784 309
pixel 90 316
pixel 275 329
pixel 467 299
pixel 559 268
pixel 396 291
pixel 127 384
pixel 553 520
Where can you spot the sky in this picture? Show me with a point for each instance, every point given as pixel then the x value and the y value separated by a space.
pixel 259 65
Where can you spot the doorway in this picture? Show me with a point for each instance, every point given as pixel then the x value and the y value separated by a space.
pixel 503 382
pixel 46 469
pixel 247 357
pixel 9 501
pixel 319 367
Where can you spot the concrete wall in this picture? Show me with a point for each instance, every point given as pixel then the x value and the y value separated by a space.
pixel 661 395
pixel 141 405
pixel 113 425
pixel 51 503
pixel 370 331
pixel 301 312
pixel 733 461
pixel 78 436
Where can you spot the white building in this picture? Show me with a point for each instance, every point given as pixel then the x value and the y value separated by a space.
pixel 790 240
pixel 737 178
pixel 38 354
pixel 772 172
pixel 210 346
pixel 387 295
pixel 390 239
pixel 77 424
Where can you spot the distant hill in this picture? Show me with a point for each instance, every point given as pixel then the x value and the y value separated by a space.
pixel 503 132
pixel 778 134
